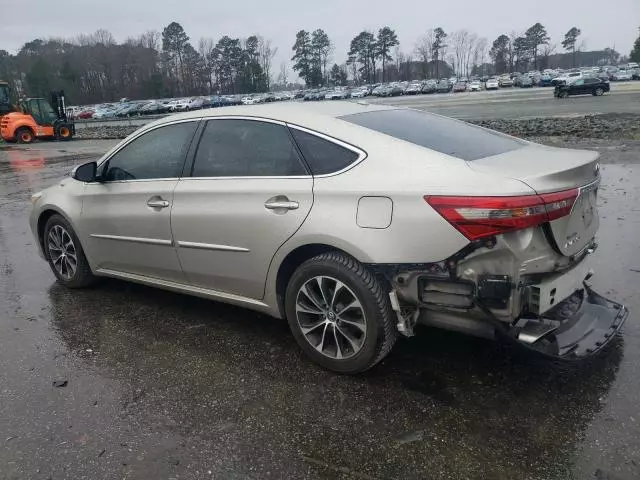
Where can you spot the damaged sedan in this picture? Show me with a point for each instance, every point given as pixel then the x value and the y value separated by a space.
pixel 355 222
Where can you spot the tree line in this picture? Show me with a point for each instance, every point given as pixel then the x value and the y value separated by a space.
pixel 95 68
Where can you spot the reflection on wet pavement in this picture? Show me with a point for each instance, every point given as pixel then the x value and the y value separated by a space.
pixel 167 386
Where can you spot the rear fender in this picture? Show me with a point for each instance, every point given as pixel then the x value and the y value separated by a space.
pixel 12 127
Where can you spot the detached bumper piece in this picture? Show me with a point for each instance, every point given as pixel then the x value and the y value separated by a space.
pixel 583 334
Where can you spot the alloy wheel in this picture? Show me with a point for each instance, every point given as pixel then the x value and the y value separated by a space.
pixel 331 317
pixel 62 252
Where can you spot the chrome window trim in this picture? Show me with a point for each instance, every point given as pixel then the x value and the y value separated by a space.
pixel 172 179
pixel 361 153
pixel 293 177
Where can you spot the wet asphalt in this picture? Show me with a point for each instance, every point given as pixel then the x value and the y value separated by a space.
pixel 155 385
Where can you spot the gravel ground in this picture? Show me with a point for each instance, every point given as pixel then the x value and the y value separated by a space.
pixel 605 126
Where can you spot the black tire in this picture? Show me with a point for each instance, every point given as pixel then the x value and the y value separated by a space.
pixel 598 92
pixel 25 135
pixel 381 333
pixel 64 132
pixel 563 95
pixel 82 277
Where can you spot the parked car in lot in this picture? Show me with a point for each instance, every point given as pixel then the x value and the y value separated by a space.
pixel 106 112
pixel 336 95
pixel 460 87
pixel 471 230
pixel 359 92
pixel 444 86
pixel 545 81
pixel 524 81
pixel 475 86
pixel 582 86
pixel 565 77
pixel 413 88
pixel 85 114
pixel 431 86
pixel 621 76
pixel 390 91
pixel 153 108
pixel 492 84
pixel 505 81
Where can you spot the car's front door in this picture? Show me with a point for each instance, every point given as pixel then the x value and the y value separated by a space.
pixel 249 191
pixel 126 224
pixel 578 88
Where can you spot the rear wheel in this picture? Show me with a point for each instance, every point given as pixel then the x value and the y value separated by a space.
pixel 65 255
pixel 25 135
pixel 339 313
pixel 563 94
pixel 598 92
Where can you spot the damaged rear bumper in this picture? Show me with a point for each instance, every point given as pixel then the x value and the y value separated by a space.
pixel 584 333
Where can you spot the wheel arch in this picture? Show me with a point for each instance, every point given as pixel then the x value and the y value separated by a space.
pixel 278 281
pixel 43 217
pixel 21 124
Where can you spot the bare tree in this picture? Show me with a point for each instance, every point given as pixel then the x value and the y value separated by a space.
pixel 424 50
pixel 545 52
pixel 283 77
pixel 463 44
pixel 150 39
pixel 511 51
pixel 206 49
pixel 480 53
pixel 104 37
pixel 266 52
pixel 468 56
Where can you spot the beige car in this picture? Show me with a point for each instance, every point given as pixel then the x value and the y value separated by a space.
pixel 353 221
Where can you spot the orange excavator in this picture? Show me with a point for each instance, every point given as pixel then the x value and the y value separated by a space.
pixel 34 118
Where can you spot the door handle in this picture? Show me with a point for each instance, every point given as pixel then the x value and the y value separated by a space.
pixel 157 203
pixel 281 205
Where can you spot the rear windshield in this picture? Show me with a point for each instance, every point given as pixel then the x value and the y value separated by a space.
pixel 441 134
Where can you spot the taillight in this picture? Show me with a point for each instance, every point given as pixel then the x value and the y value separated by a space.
pixel 481 217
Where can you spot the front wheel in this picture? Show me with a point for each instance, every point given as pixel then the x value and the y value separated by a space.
pixel 598 92
pixel 64 132
pixel 339 313
pixel 65 255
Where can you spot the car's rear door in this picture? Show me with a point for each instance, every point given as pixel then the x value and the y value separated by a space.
pixel 125 223
pixel 247 193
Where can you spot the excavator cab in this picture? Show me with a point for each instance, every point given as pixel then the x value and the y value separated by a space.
pixel 38 118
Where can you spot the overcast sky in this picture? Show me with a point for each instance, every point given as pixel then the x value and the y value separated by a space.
pixel 603 24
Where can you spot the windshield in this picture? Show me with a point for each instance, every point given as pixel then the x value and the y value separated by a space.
pixel 441 134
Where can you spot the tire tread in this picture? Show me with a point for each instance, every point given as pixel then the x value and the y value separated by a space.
pixel 388 332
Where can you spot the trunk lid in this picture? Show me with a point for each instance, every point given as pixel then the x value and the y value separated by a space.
pixel 546 170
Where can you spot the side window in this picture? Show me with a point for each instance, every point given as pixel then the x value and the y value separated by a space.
pixel 246 148
pixel 578 82
pixel 323 156
pixel 155 154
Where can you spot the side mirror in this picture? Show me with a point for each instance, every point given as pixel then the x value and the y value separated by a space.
pixel 86 172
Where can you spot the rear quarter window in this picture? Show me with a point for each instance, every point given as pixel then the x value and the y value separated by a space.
pixel 444 135
pixel 323 156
